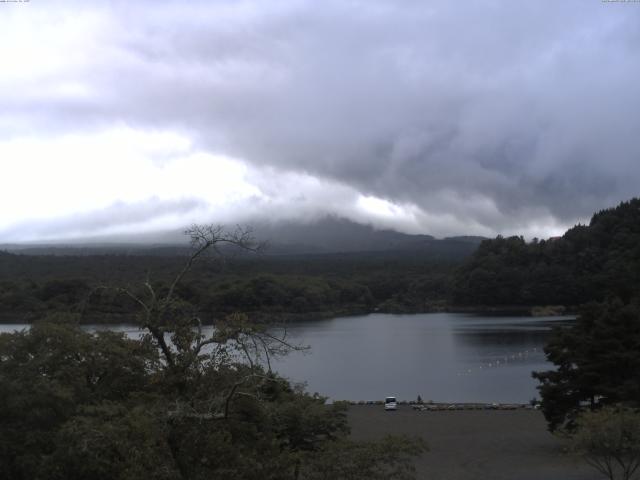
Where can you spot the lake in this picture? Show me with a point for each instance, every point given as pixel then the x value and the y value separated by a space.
pixel 439 356
pixel 442 357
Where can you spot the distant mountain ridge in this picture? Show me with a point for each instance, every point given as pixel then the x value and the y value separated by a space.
pixel 333 234
pixel 327 235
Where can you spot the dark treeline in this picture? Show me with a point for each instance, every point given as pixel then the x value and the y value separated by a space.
pixel 267 285
pixel 588 263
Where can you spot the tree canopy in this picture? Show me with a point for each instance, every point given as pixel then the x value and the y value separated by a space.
pixel 588 263
pixel 597 362
pixel 609 440
pixel 174 404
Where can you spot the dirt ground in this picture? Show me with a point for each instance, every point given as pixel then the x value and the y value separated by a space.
pixel 476 444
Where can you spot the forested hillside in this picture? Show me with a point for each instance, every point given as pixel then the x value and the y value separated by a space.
pixel 265 285
pixel 588 263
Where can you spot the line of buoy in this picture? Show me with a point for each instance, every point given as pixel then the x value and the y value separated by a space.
pixel 501 361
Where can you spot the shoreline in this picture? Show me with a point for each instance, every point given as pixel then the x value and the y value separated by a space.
pixel 442 406
pixel 293 317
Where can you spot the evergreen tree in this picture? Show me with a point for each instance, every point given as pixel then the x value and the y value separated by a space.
pixel 597 363
pixel 588 263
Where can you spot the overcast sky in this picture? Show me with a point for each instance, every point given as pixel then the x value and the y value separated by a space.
pixel 440 117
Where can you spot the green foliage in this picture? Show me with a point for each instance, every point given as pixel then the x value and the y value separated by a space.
pixel 597 363
pixel 174 404
pixel 588 263
pixel 112 440
pixel 609 440
pixel 285 293
pixel 269 286
pixel 47 374
pixel 77 405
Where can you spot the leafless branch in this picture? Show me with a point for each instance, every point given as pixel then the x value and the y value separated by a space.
pixel 238 384
pixel 209 237
pixel 266 353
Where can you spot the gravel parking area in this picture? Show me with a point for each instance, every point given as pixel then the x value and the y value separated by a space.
pixel 476 444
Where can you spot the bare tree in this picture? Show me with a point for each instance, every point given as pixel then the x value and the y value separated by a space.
pixel 160 311
pixel 177 330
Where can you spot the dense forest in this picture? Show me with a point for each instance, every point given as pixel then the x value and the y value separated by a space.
pixel 588 263
pixel 265 285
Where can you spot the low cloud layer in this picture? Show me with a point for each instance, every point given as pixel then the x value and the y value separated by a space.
pixel 436 117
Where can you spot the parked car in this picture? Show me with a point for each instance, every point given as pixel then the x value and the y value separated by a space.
pixel 390 403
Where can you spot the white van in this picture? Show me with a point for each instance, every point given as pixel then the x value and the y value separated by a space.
pixel 390 403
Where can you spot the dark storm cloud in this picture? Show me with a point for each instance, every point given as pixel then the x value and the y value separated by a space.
pixel 505 114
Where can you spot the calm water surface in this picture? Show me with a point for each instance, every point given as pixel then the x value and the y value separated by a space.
pixel 439 356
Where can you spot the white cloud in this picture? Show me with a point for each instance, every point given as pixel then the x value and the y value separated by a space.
pixel 72 174
pixel 439 118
